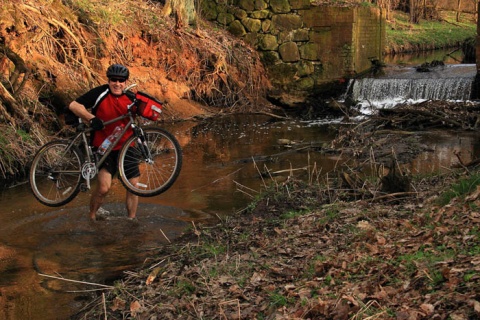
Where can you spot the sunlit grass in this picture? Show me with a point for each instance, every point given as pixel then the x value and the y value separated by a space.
pixel 429 34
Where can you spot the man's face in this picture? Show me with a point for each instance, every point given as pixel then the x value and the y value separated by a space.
pixel 117 85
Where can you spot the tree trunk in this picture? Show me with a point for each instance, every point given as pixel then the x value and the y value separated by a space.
pixel 459 3
pixel 183 11
pixel 413 11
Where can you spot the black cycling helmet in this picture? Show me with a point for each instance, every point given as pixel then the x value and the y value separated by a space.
pixel 118 70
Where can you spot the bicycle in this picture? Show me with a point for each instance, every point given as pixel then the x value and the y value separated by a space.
pixel 63 168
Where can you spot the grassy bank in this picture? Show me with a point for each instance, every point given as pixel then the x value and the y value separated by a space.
pixel 444 32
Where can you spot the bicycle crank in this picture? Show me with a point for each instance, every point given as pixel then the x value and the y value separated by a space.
pixel 89 170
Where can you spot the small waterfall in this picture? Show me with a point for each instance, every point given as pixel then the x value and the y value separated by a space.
pixel 412 89
pixel 453 82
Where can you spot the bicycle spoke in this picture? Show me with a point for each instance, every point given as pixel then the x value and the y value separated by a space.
pixel 55 174
pixel 156 164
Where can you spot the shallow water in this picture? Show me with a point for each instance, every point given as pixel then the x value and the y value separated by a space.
pixel 222 161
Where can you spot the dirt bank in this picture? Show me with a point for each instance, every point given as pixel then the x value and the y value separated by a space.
pixel 54 51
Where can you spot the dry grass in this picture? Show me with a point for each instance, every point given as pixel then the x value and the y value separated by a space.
pixel 68 45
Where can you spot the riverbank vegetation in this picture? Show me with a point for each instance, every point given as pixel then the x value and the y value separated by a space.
pixel 441 32
pixel 337 245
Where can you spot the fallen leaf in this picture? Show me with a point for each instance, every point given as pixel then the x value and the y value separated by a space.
pixel 365 225
pixel 473 196
pixel 427 308
pixel 381 240
pixel 135 306
pixel 152 276
pixel 118 304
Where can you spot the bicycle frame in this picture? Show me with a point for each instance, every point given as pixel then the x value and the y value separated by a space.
pixel 88 171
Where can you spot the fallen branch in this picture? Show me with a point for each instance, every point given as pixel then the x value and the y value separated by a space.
pixel 393 195
pixel 77 281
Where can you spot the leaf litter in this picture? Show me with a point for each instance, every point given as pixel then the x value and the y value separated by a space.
pixel 308 250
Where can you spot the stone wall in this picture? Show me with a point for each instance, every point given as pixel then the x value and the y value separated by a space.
pixel 305 48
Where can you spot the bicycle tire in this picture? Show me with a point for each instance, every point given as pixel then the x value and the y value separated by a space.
pixel 157 176
pixel 56 173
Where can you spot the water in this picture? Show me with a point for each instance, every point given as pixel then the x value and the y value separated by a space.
pixel 222 157
pixel 404 84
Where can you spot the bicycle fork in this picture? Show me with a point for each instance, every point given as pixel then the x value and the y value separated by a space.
pixel 142 145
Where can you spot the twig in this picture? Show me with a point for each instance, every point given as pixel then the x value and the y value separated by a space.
pixel 217 180
pixel 156 264
pixel 104 305
pixel 243 191
pixel 76 281
pixel 165 236
pixel 393 195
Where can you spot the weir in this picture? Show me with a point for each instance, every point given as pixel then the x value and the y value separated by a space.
pixel 401 84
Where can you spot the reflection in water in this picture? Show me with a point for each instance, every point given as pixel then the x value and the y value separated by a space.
pixel 219 155
pixel 443 146
pixel 448 56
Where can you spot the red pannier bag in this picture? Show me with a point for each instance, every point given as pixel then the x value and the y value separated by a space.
pixel 148 106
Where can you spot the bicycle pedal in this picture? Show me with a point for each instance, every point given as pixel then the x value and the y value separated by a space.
pixel 84 187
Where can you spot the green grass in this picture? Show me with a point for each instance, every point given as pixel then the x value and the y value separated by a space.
pixel 426 263
pixel 429 34
pixel 460 189
pixel 279 300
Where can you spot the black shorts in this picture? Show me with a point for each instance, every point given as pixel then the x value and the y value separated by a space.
pixel 111 165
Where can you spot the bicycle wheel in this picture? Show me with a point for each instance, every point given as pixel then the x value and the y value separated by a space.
pixel 148 176
pixel 56 173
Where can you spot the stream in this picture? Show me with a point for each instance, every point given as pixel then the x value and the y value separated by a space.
pixel 38 242
pixel 52 258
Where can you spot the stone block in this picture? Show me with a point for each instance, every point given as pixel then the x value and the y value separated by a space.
pixel 209 9
pixel 280 6
pixel 268 42
pixel 252 25
pixel 260 14
pixel 305 68
pixel 270 58
pixel 266 25
pixel 286 22
pixel 237 28
pixel 260 5
pixel 309 51
pixel 289 52
pixel 300 35
pixel 239 13
pixel 248 5
pixel 225 18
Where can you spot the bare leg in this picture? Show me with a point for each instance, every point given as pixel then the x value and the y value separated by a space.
pixel 132 201
pixel 100 192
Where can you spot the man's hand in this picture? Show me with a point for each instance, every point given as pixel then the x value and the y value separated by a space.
pixel 96 124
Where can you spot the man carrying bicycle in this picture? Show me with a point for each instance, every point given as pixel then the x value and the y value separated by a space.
pixel 96 106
